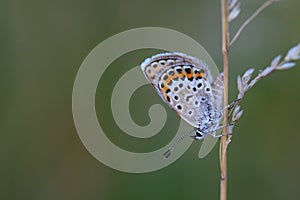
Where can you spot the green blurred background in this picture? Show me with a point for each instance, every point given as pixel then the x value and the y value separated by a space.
pixel 42 46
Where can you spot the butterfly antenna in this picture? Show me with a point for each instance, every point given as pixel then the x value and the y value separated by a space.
pixel 171 148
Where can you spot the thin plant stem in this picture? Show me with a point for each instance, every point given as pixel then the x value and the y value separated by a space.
pixel 223 142
pixel 243 26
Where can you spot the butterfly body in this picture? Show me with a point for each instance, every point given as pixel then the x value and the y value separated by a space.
pixel 186 85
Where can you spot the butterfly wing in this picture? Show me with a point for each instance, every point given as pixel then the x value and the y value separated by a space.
pixel 218 89
pixel 182 82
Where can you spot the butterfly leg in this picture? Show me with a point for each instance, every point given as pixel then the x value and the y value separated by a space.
pixel 219 136
pixel 213 131
pixel 232 105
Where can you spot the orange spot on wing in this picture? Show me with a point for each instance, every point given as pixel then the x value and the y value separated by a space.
pixel 198 74
pixel 190 75
pixel 165 88
pixel 183 74
pixel 168 81
pixel 173 77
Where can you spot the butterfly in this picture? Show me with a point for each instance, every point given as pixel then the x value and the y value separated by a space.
pixel 186 84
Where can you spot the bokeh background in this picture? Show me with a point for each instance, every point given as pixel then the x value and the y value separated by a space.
pixel 42 46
